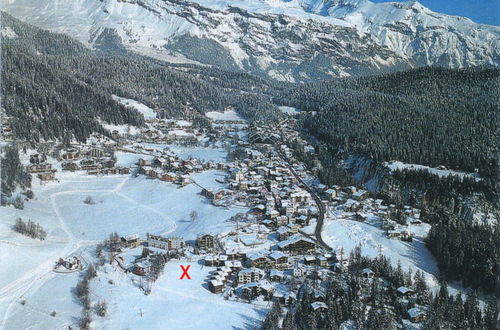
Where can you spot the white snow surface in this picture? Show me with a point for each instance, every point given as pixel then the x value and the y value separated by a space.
pixel 226 115
pixel 123 204
pixel 289 110
pixel 146 111
pixel 172 304
pixel 347 234
pixel 206 154
pixel 395 165
pixel 7 32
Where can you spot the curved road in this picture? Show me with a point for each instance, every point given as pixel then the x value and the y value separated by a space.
pixel 321 210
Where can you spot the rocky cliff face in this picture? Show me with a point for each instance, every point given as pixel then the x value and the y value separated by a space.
pixel 413 31
pixel 297 40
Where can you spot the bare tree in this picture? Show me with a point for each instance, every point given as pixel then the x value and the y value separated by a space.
pixel 85 319
pixel 101 308
pixel 193 215
pixel 89 200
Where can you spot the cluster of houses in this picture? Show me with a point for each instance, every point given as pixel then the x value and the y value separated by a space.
pixel 155 244
pixel 262 273
pixel 358 202
pixel 266 184
pixel 41 168
pixel 94 160
pixel 180 132
pixel 256 273
pixel 169 167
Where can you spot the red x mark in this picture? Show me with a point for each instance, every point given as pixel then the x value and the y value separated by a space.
pixel 185 272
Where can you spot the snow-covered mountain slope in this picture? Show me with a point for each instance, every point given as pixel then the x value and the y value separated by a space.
pixel 411 30
pixel 294 40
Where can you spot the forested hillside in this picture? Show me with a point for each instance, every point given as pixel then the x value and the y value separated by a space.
pixel 426 116
pixel 46 102
pixel 68 89
pixel 465 252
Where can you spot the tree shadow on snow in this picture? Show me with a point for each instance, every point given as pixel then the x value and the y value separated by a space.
pixel 422 257
pixel 251 323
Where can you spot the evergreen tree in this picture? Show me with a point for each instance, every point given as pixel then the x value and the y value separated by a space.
pixel 491 315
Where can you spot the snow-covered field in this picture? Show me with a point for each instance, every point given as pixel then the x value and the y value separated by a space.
pixel 146 111
pixel 205 154
pixel 396 165
pixel 123 204
pixel 226 115
pixel 289 110
pixel 52 294
pixel 129 159
pixel 347 234
pixel 112 212
pixel 172 304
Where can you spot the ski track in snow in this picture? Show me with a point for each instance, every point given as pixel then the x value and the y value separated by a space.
pixel 11 293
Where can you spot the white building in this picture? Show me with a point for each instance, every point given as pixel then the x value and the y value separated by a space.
pixel 166 243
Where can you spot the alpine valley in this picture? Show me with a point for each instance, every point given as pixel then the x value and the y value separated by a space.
pixel 248 164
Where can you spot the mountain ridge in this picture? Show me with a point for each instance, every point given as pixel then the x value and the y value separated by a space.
pixel 296 40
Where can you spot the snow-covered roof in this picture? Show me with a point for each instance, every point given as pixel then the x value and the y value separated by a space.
pixel 403 290
pixel 233 263
pixel 277 254
pixel 318 304
pixel 282 230
pixel 275 272
pixel 251 270
pixel 255 255
pixel 415 312
pixel 264 284
pixel 144 264
pixel 294 239
pixel 216 283
pixel 251 239
pixel 131 237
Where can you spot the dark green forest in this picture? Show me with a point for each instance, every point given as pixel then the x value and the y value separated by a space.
pixel 465 252
pixel 428 116
pixel 13 172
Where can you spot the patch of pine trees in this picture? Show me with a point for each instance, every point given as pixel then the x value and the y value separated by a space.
pixel 466 252
pixel 377 305
pixel 441 189
pixel 82 292
pixel 13 173
pixel 30 229
pixel 455 312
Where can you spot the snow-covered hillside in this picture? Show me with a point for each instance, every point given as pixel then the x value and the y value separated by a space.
pixel 412 30
pixel 295 40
